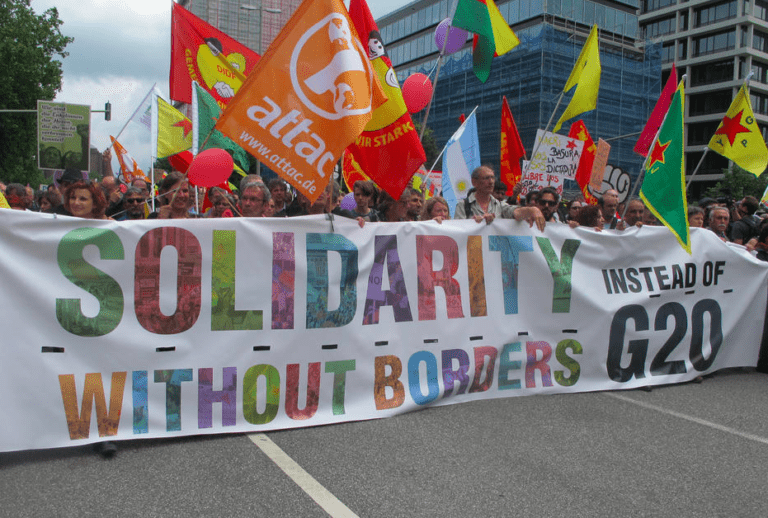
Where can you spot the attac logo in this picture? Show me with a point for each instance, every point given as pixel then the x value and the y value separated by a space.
pixel 309 97
pixel 332 88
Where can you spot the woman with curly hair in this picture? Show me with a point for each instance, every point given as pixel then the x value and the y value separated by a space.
pixel 85 200
pixel 435 208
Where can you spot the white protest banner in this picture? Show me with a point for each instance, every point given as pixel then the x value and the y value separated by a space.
pixel 164 328
pixel 557 159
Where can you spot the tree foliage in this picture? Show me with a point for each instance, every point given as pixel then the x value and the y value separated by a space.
pixel 29 44
pixel 738 183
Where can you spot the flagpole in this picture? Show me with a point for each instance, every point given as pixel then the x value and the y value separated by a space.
pixel 437 72
pixel 538 144
pixel 634 191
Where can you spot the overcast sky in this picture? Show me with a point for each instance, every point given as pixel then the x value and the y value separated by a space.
pixel 122 48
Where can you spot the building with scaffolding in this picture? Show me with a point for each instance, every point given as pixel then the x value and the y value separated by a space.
pixel 532 76
pixel 716 43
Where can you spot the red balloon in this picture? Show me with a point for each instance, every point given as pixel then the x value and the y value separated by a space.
pixel 210 167
pixel 417 91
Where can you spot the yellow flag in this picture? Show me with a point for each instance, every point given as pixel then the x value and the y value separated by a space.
pixel 586 77
pixel 174 130
pixel 3 201
pixel 738 137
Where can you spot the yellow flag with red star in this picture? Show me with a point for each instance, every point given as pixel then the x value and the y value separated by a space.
pixel 738 138
pixel 663 189
pixel 171 130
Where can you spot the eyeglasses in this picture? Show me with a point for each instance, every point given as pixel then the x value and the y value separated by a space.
pixel 548 203
pixel 134 200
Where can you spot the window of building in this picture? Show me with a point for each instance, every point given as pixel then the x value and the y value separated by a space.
pixel 668 52
pixel 709 102
pixel 712 73
pixel 760 10
pixel 715 13
pixel 660 27
pixel 700 133
pixel 714 43
pixel 760 41
pixel 682 49
pixel 654 5
pixel 759 103
pixel 760 71
pixel 684 21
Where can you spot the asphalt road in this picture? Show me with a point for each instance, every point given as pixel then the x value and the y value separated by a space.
pixel 684 450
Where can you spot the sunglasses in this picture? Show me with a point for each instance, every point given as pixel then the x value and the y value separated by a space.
pixel 548 203
pixel 134 200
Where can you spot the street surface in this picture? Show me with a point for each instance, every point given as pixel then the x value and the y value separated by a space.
pixel 685 450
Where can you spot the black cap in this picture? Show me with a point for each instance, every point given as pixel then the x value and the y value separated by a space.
pixel 71 176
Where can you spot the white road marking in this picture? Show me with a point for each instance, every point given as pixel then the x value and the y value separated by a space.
pixel 703 422
pixel 330 504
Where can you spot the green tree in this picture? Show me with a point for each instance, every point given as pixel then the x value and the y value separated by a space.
pixel 29 44
pixel 429 144
pixel 738 183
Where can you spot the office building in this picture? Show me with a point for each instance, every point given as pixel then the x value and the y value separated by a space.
pixel 532 76
pixel 716 43
pixel 254 23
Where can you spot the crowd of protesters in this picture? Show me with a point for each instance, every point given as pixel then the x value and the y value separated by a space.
pixel 742 222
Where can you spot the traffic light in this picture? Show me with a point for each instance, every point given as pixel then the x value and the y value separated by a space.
pixel 107 111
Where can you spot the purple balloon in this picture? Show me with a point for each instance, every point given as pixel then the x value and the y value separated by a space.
pixel 348 202
pixel 456 37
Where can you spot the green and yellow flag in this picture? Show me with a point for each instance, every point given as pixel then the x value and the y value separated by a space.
pixel 585 76
pixel 663 189
pixel 738 138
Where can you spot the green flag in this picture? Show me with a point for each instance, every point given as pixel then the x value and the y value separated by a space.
pixel 205 113
pixel 663 189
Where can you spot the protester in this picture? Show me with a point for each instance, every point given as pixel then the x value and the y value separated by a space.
pixel 747 226
pixel 390 209
pixel 547 204
pixel 279 192
pixel 608 204
pixel 133 205
pixel 718 221
pixel 173 194
pixel 16 196
pixel 365 193
pixel 695 217
pixel 573 209
pixel 85 200
pixel 414 205
pixel 254 199
pixel 50 199
pixel 591 216
pixel 435 208
pixel 633 216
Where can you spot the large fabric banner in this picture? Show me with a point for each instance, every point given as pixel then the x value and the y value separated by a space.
pixel 167 328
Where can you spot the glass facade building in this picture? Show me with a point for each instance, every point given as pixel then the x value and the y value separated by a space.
pixel 532 76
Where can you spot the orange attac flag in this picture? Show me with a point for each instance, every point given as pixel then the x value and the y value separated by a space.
pixel 389 150
pixel 201 52
pixel 584 172
pixel 512 149
pixel 309 97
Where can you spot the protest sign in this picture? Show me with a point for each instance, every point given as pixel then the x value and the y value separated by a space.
pixel 557 159
pixel 63 136
pixel 143 329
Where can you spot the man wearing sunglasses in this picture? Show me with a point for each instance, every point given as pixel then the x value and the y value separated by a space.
pixel 547 204
pixel 133 205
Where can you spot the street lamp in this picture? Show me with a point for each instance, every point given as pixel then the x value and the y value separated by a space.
pixel 261 10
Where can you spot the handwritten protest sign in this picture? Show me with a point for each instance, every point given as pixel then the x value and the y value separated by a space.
pixel 556 160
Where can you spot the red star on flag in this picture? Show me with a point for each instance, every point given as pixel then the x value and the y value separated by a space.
pixel 731 127
pixel 657 153
pixel 571 144
pixel 186 124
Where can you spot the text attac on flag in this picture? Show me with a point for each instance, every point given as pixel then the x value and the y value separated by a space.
pixel 309 97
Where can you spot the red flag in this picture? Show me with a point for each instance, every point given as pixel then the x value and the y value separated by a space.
pixel 584 172
pixel 389 150
pixel 200 52
pixel 512 149
pixel 351 171
pixel 657 115
pixel 462 118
